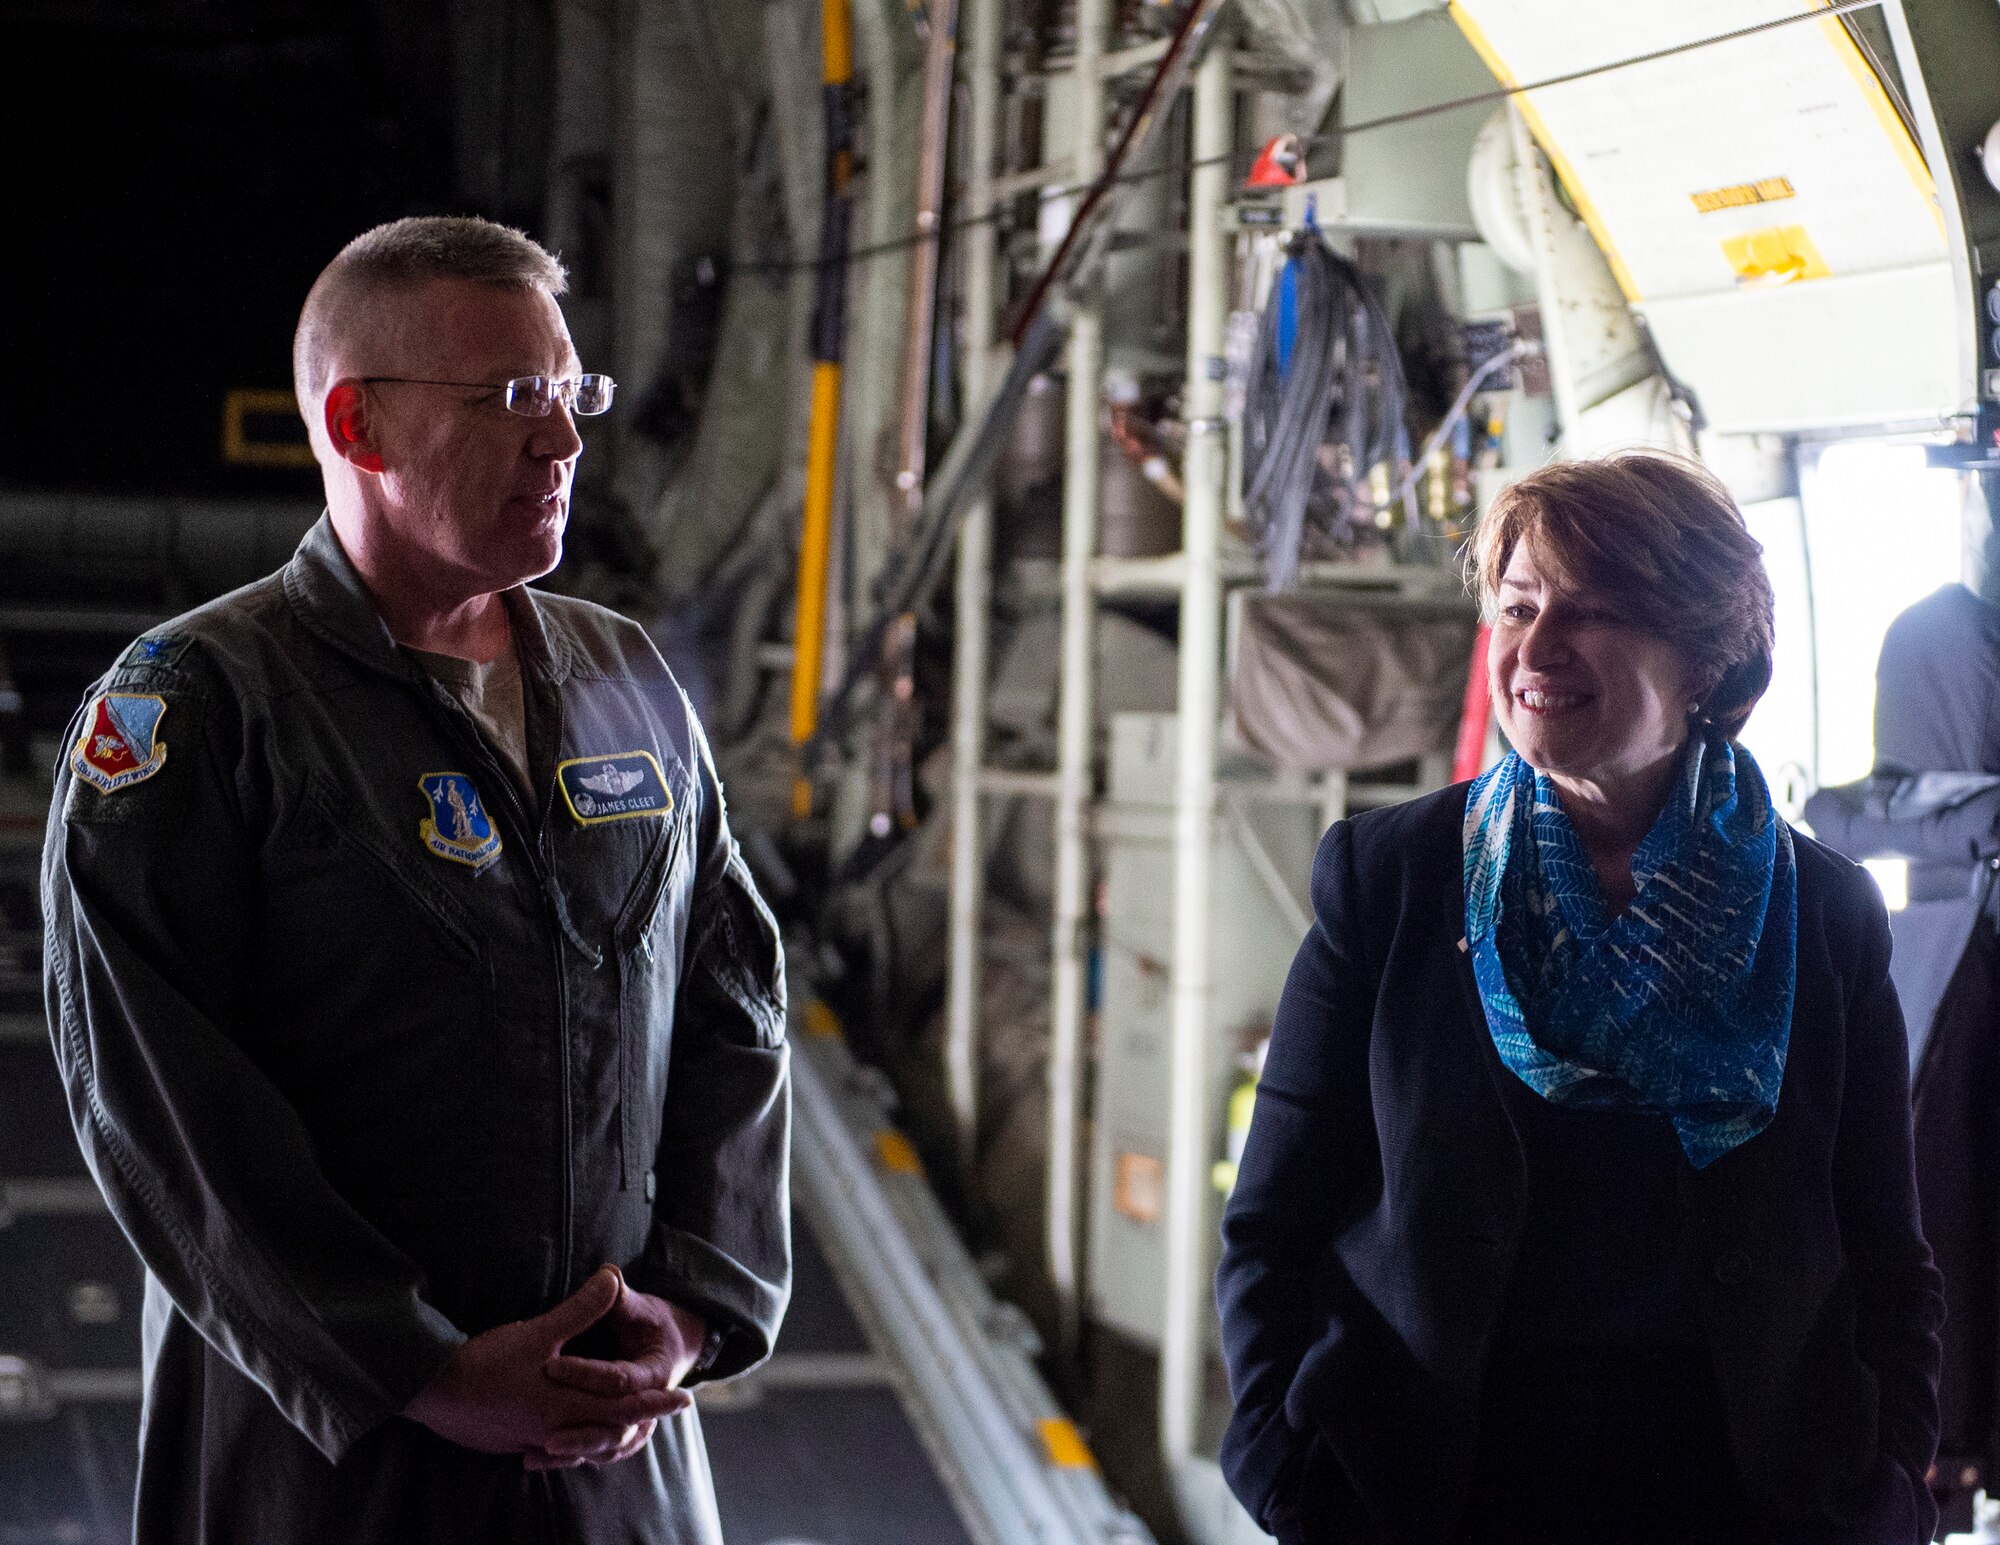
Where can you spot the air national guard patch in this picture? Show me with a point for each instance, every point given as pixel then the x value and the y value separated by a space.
pixel 120 742
pixel 458 827
pixel 619 786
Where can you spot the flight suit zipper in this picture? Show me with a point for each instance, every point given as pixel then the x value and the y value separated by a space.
pixel 532 840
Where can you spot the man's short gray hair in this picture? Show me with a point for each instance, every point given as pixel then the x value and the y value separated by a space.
pixel 400 256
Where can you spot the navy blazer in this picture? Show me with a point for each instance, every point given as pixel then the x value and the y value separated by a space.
pixel 1370 1241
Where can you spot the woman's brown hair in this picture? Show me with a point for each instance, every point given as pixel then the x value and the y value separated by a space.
pixel 1657 540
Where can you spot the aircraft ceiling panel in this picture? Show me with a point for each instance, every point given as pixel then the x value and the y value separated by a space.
pixel 1765 161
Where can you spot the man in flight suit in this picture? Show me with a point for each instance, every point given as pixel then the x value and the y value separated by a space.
pixel 420 1021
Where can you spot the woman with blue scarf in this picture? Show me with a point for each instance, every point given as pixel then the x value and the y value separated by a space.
pixel 1578 1202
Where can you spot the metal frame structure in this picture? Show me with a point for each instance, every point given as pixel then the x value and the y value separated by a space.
pixel 1195 576
pixel 1076 724
pixel 1204 477
pixel 972 599
pixel 1084 577
pixel 963 1362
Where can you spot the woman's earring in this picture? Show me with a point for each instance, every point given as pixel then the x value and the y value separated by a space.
pixel 1694 709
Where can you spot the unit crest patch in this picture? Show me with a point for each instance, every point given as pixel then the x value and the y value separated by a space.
pixel 458 827
pixel 120 742
pixel 617 786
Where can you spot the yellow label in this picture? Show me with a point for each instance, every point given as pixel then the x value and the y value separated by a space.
pixel 1768 191
pixel 822 1021
pixel 1064 1444
pixel 240 448
pixel 1778 254
pixel 896 1153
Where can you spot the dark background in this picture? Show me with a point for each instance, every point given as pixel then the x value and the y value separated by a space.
pixel 180 172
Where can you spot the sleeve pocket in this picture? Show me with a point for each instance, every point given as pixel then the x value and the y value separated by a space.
pixel 742 952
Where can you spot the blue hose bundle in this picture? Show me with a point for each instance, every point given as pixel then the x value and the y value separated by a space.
pixel 1324 405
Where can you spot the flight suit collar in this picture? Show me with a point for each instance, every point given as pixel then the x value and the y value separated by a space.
pixel 327 593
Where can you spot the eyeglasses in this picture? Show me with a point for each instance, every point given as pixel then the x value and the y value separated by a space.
pixel 531 396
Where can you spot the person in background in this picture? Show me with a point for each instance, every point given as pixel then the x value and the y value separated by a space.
pixel 420 1021
pixel 1932 804
pixel 1578 1201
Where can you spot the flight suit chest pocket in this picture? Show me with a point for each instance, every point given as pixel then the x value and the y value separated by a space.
pixel 379 958
pixel 618 820
pixel 648 939
pixel 621 830
pixel 334 864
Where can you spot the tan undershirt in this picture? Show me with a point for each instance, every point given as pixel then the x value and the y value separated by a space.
pixel 493 696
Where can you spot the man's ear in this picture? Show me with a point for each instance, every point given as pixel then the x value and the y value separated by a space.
pixel 350 427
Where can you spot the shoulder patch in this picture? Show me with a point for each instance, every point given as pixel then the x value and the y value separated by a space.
pixel 120 744
pixel 616 786
pixel 156 649
pixel 458 827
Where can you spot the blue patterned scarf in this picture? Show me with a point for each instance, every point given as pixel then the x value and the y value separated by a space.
pixel 1682 1005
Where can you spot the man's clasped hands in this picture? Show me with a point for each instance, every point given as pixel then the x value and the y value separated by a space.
pixel 514 1390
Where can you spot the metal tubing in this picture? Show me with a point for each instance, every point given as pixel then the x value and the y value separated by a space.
pixel 1085 242
pixel 1016 183
pixel 822 442
pixel 1265 867
pixel 969 1387
pixel 1037 333
pixel 1076 718
pixel 917 334
pixel 1182 1340
pixel 1009 784
pixel 970 616
pixel 815 544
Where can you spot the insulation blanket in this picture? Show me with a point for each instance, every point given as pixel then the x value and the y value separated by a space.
pixel 1325 681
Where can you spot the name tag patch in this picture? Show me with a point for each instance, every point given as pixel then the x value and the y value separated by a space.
pixel 120 744
pixel 617 786
pixel 458 827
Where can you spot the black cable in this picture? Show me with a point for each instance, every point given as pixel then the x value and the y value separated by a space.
pixel 1323 141
pixel 1287 407
pixel 1341 386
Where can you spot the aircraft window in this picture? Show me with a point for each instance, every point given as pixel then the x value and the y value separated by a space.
pixel 1874 529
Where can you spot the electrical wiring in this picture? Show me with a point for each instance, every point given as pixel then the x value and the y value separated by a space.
pixel 1455 415
pixel 1326 376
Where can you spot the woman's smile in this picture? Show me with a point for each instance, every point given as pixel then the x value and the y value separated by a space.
pixel 1549 702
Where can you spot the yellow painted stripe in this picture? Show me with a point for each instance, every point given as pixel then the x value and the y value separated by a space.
pixel 896 1154
pixel 1482 46
pixel 815 546
pixel 836 41
pixel 1907 150
pixel 1064 1444
pixel 822 1021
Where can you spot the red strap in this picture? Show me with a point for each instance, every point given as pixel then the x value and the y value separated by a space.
pixel 1477 714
